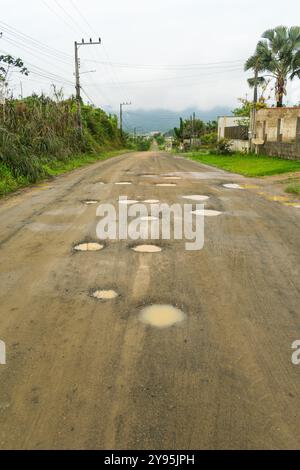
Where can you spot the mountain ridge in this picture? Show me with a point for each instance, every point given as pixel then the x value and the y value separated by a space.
pixel 165 119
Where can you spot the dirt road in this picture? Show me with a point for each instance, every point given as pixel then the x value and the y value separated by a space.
pixel 86 374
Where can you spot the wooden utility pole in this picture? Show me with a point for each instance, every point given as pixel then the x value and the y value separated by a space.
pixel 121 115
pixel 77 77
pixel 253 112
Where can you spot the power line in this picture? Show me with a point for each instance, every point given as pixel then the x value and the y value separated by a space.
pixel 36 70
pixel 68 15
pixel 114 77
pixel 35 43
pixel 208 65
pixel 29 50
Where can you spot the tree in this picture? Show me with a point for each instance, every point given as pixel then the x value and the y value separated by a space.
pixel 179 132
pixel 277 56
pixel 8 63
pixel 245 108
pixel 211 126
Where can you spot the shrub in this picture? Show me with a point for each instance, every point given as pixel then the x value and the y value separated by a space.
pixel 209 139
pixel 223 147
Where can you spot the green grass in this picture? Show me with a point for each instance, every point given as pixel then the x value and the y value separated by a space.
pixel 8 183
pixel 247 165
pixel 293 188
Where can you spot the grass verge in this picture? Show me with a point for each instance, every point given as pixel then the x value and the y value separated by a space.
pixel 247 165
pixel 293 188
pixel 10 183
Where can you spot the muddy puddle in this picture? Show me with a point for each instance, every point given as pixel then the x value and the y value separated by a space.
pixel 161 316
pixel 128 201
pixel 147 249
pixel 206 212
pixel 90 203
pixel 196 197
pixel 105 294
pixel 91 246
pixel 232 186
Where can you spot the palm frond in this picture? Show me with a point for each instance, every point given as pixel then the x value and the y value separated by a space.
pixel 258 81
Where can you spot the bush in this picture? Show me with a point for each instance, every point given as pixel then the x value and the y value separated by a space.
pixel 143 145
pixel 223 147
pixel 209 139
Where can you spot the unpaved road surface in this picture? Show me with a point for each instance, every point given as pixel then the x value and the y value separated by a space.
pixel 86 374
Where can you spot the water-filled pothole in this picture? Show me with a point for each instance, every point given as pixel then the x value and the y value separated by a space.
pixel 196 197
pixel 232 186
pixel 161 316
pixel 89 203
pixel 123 183
pixel 127 201
pixel 165 185
pixel 172 178
pixel 91 246
pixel 147 249
pixel 151 201
pixel 105 294
pixel 206 212
pixel 149 218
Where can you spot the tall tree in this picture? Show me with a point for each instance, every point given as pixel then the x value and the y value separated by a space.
pixel 277 55
pixel 9 63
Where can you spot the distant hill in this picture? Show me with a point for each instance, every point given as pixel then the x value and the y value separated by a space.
pixel 163 119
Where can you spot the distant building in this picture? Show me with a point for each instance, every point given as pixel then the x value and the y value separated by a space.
pixel 236 129
pixel 169 143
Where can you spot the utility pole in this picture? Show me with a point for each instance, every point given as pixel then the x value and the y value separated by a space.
pixel 121 115
pixel 191 131
pixel 253 111
pixel 194 126
pixel 77 77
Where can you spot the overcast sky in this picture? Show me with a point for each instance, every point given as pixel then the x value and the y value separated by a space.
pixel 169 54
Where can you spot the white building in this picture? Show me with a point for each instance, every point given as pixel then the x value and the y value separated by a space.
pixel 235 129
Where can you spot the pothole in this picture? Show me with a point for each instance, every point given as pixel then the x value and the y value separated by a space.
pixel 149 218
pixel 89 203
pixel 151 201
pixel 232 186
pixel 196 197
pixel 172 178
pixel 206 212
pixel 123 183
pixel 105 294
pixel 128 201
pixel 161 185
pixel 147 249
pixel 92 246
pixel 161 316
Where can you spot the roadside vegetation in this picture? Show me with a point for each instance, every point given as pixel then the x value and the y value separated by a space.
pixel 40 137
pixel 246 164
pixel 294 187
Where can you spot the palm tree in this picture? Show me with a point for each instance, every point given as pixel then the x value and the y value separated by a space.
pixel 278 54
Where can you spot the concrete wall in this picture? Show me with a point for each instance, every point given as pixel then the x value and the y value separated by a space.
pixel 240 145
pixel 278 130
pixel 230 121
pixel 233 121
